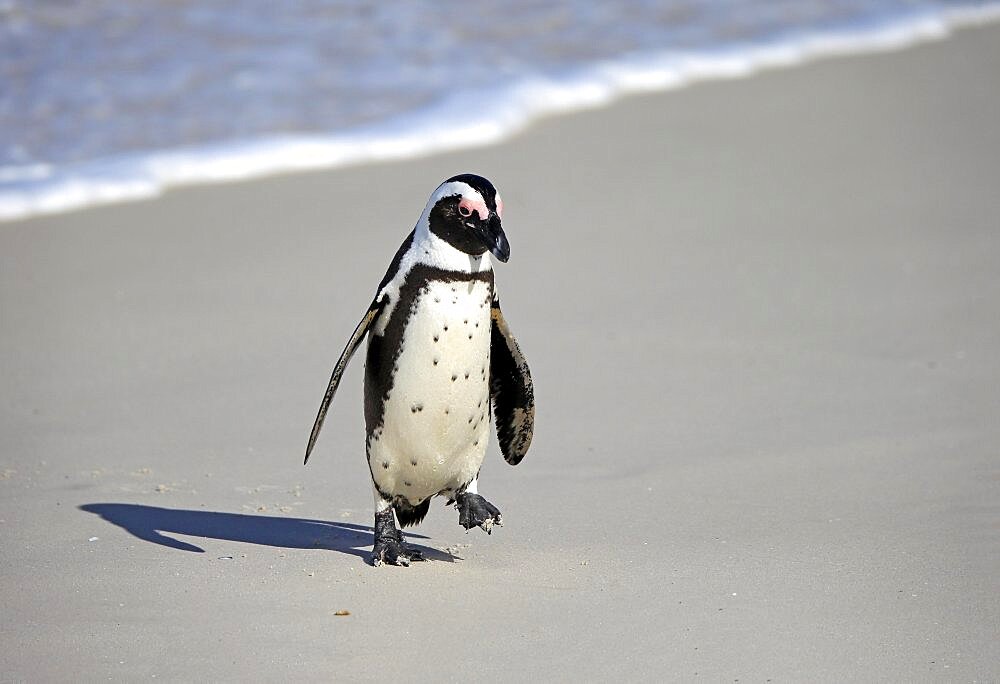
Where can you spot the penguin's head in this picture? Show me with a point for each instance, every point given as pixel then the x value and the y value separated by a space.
pixel 465 211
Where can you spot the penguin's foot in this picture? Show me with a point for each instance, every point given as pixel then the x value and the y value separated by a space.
pixel 394 552
pixel 475 511
pixel 389 545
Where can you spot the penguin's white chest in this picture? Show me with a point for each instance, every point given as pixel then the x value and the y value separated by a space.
pixel 436 418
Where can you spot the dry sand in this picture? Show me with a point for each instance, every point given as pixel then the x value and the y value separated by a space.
pixel 762 317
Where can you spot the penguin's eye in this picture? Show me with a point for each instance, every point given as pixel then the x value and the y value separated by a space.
pixel 469 206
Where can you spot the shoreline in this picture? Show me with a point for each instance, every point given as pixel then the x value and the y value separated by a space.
pixel 447 127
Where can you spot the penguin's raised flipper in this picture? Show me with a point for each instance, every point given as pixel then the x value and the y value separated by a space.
pixel 510 389
pixel 338 371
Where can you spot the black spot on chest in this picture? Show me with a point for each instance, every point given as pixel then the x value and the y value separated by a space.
pixel 384 350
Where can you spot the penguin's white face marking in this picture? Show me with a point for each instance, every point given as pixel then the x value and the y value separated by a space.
pixel 432 250
pixel 451 188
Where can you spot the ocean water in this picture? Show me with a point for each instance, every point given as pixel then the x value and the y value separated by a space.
pixel 104 100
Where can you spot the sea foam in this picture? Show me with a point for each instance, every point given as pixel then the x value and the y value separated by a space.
pixel 467 118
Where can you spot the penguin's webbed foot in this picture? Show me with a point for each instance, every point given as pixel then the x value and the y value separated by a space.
pixel 475 511
pixel 389 545
pixel 394 552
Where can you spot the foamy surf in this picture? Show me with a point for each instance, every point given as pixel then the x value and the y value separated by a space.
pixel 466 119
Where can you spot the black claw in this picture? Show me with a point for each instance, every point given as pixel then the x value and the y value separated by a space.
pixel 475 511
pixel 389 546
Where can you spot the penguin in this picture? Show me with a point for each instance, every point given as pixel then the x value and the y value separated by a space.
pixel 440 357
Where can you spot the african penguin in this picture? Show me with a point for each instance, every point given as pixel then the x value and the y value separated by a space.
pixel 440 355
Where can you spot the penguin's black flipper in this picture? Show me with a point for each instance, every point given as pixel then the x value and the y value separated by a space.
pixel 510 389
pixel 338 371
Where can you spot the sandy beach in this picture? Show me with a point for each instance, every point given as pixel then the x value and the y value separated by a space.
pixel 761 315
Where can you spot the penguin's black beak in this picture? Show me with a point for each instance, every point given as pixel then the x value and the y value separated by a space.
pixel 493 237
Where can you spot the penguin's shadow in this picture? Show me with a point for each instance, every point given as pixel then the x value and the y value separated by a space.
pixel 152 524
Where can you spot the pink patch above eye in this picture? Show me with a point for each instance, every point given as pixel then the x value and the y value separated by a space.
pixel 466 206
